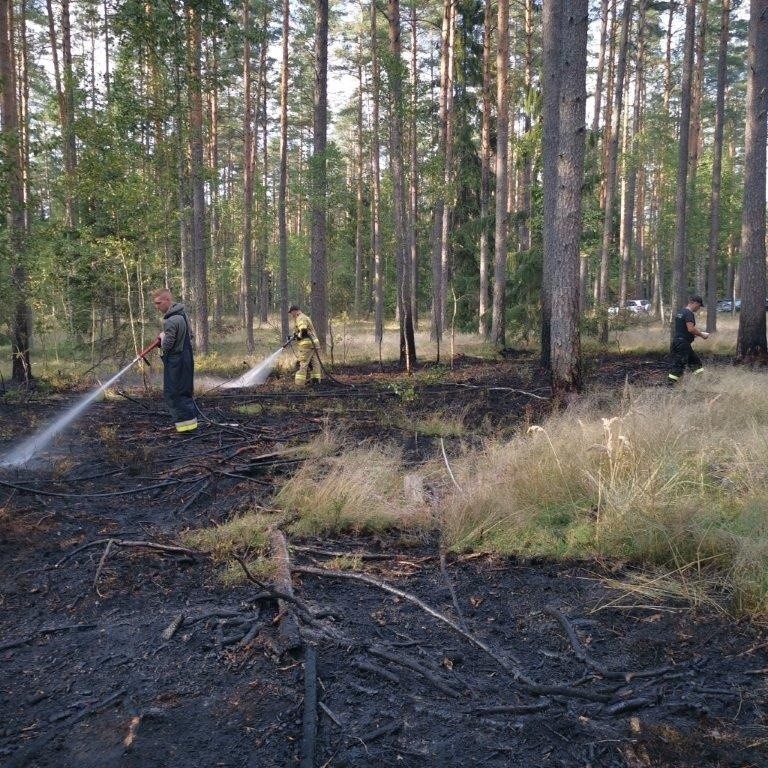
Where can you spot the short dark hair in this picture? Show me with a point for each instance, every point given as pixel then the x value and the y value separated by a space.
pixel 294 308
pixel 697 299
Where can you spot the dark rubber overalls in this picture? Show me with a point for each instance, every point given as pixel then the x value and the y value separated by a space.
pixel 178 377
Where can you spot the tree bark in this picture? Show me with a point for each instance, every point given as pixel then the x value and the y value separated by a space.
pixel 246 278
pixel 680 256
pixel 717 167
pixel 319 182
pixel 199 287
pixel 485 177
pixel 378 263
pixel 552 21
pixel 15 212
pixel 413 187
pixel 498 321
pixel 751 340
pixel 396 76
pixel 610 173
pixel 358 299
pixel 604 12
pixel 283 180
pixel 566 343
pixel 438 299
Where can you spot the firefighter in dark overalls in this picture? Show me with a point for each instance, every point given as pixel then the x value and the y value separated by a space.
pixel 685 332
pixel 178 362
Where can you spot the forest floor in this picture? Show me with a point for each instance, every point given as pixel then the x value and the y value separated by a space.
pixel 119 654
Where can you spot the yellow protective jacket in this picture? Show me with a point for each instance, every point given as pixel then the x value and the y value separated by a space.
pixel 304 329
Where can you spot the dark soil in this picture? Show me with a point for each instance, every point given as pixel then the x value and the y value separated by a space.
pixel 87 679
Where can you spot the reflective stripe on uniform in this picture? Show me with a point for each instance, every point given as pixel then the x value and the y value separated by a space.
pixel 186 426
pixel 699 370
pixel 673 377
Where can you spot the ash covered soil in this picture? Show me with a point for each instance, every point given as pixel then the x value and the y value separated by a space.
pixel 98 669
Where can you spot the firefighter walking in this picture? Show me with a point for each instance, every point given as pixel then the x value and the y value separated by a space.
pixel 685 332
pixel 306 347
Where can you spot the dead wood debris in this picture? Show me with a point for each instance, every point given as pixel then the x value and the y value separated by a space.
pixel 583 656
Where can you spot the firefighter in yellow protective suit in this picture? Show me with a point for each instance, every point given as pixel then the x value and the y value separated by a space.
pixel 306 347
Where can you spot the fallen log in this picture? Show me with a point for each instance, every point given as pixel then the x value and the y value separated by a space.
pixel 288 627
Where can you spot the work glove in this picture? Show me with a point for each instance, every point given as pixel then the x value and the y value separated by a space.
pixel 296 336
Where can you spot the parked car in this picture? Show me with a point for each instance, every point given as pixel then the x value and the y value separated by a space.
pixel 638 306
pixel 633 306
pixel 726 305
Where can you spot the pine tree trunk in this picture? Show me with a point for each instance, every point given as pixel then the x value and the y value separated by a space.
pixel 407 342
pixel 199 292
pixel 611 160
pixel 15 215
pixel 604 12
pixel 717 168
pixel 246 277
pixel 552 21
pixel 282 223
pixel 680 256
pixel 752 335
pixel 498 323
pixel 438 299
pixel 378 263
pixel 264 221
pixel 485 177
pixel 357 311
pixel 566 343
pixel 526 181
pixel 694 142
pixel 448 171
pixel 318 176
pixel 413 186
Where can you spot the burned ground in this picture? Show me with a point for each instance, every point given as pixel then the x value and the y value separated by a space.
pixel 88 677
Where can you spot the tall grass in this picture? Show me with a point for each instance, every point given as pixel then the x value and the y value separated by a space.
pixel 360 490
pixel 674 477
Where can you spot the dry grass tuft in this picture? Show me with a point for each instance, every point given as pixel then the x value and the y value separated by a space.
pixel 360 490
pixel 672 477
pixel 245 533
